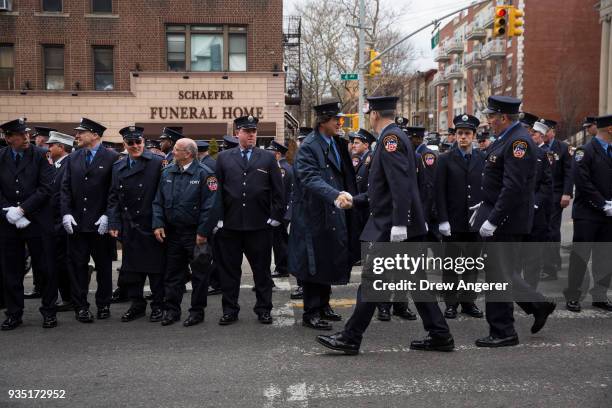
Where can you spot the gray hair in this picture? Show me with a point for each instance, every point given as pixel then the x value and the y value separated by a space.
pixel 190 146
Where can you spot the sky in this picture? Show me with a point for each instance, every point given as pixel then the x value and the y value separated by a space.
pixel 419 13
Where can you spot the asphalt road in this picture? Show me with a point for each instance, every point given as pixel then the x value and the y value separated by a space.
pixel 141 364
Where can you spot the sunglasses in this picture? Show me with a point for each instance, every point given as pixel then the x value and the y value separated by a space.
pixel 133 142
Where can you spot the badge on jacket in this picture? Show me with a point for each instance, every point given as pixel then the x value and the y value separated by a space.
pixel 579 155
pixel 429 159
pixel 390 142
pixel 212 183
pixel 519 149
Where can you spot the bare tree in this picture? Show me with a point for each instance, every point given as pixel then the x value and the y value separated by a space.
pixel 571 99
pixel 330 47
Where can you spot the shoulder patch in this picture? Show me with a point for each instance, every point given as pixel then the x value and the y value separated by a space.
pixel 368 160
pixel 519 149
pixel 429 159
pixel 211 183
pixel 579 154
pixel 390 142
pixel 355 161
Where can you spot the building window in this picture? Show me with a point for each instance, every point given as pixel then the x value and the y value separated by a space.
pixel 7 67
pixel 52 5
pixel 102 6
pixel 206 48
pixel 54 67
pixel 103 68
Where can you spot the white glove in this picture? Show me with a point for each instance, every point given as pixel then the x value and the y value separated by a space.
pixel 68 221
pixel 487 229
pixel 536 207
pixel 445 229
pixel 102 224
pixel 475 209
pixel 399 234
pixel 219 224
pixel 337 202
pixel 22 223
pixel 13 214
pixel 607 209
pixel 273 223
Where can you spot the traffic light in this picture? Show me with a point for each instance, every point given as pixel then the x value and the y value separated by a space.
pixel 501 21
pixel 376 66
pixel 350 121
pixel 515 22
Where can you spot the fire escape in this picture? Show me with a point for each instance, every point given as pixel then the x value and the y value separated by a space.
pixel 291 45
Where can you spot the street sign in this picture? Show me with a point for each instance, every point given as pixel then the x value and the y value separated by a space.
pixel 349 77
pixel 435 40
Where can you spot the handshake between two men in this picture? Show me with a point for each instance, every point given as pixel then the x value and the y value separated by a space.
pixel 344 201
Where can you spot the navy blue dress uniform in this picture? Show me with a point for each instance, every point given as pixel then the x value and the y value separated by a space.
pixel 173 135
pixel 592 218
pixel 508 192
pixel 207 160
pixel 540 233
pixel 394 201
pixel 130 212
pixel 457 188
pixel 25 183
pixel 84 194
pixel 61 237
pixel 324 240
pixel 562 185
pixel 252 196
pixel 280 236
pixel 229 142
pixel 187 204
pixel 362 171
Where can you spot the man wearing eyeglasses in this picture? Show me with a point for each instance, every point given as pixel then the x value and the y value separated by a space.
pixel 130 214
pixel 83 201
pixel 484 141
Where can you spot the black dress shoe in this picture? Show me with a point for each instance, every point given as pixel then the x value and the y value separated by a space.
pixel 34 294
pixel 264 318
pixel 450 312
pixel 472 310
pixel 118 297
pixel 84 316
pixel 541 315
pixel 11 323
pixel 573 306
pixel 607 305
pixel 103 313
pixel 434 344
pixel 297 294
pixel 213 291
pixel 316 323
pixel 169 318
pixel 156 315
pixel 228 319
pixel 64 306
pixel 339 342
pixel 133 314
pixel 193 319
pixel 277 274
pixel 49 322
pixel 404 313
pixel 491 341
pixel 327 313
pixel 384 315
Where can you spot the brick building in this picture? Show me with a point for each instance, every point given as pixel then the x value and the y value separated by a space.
pixel 419 104
pixel 190 64
pixel 554 67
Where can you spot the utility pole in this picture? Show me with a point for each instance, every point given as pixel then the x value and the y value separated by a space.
pixel 362 67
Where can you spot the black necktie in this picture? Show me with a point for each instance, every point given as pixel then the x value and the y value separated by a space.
pixel 17 159
pixel 609 150
pixel 468 157
pixel 245 157
pixel 89 157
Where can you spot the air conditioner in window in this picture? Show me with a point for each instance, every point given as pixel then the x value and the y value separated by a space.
pixel 5 5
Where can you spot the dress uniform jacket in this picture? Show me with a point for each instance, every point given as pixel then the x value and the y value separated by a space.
pixel 458 187
pixel 593 179
pixel 393 192
pixel 508 184
pixel 561 169
pixel 187 200
pixel 130 211
pixel 324 240
pixel 85 187
pixel 60 169
pixel 543 185
pixel 427 163
pixel 362 173
pixel 251 194
pixel 28 186
pixel 287 175
pixel 210 162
